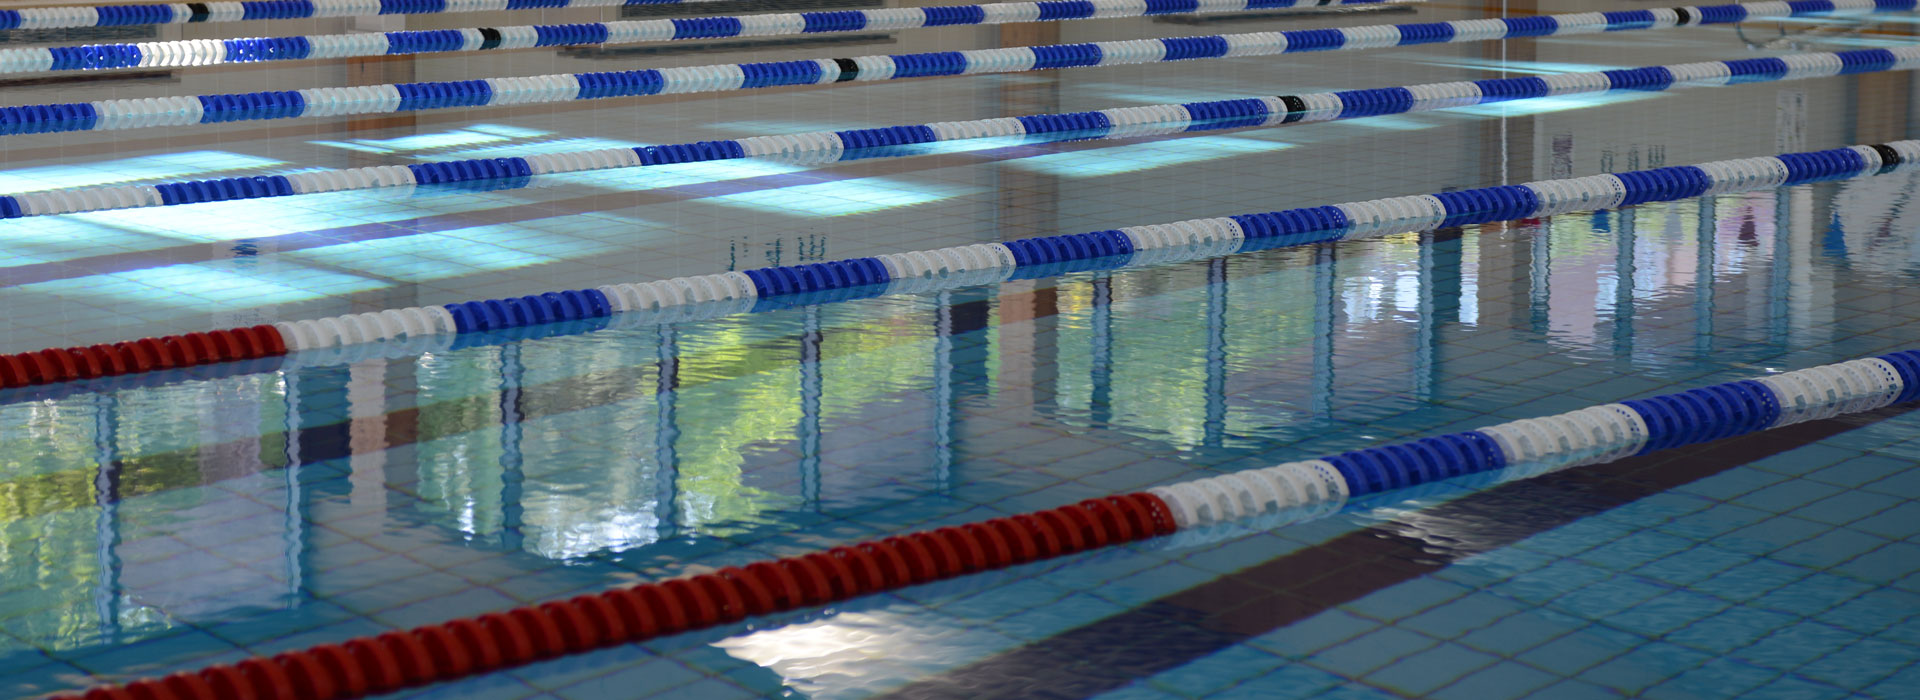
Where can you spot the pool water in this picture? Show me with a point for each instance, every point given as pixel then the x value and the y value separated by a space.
pixel 202 516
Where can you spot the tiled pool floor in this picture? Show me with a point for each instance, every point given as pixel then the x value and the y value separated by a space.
pixel 252 509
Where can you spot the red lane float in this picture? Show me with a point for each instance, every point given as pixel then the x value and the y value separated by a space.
pixel 494 641
pixel 55 365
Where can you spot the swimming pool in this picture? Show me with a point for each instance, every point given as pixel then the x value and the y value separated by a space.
pixel 203 515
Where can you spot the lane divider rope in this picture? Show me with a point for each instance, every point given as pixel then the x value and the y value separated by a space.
pixel 1532 447
pixel 545 89
pixel 209 52
pixel 1524 448
pixel 707 296
pixel 196 12
pixel 831 146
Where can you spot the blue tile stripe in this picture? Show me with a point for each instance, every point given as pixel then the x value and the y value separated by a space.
pixel 107 56
pixel 1460 208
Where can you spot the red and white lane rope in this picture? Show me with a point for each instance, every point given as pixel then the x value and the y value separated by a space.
pixel 471 646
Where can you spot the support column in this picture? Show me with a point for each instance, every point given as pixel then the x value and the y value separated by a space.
pixel 1100 371
pixel 965 317
pixel 513 476
pixel 1439 282
pixel 1029 205
pixel 1705 233
pixel 1624 238
pixel 367 434
pixel 1787 206
pixel 1214 425
pixel 106 494
pixel 943 381
pixel 810 386
pixel 666 434
pixel 1326 303
pixel 1808 292
pixel 319 429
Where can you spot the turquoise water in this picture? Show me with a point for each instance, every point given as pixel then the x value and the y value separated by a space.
pixel 200 516
pixel 272 510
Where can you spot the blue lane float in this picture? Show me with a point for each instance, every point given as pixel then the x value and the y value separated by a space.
pixel 1523 447
pixel 480 39
pixel 1534 446
pixel 1663 421
pixel 837 20
pixel 381 99
pixel 851 144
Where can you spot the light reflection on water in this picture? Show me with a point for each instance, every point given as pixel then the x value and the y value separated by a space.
pixel 147 529
pixel 621 450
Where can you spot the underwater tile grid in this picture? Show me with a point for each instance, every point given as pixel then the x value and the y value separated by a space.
pixel 238 510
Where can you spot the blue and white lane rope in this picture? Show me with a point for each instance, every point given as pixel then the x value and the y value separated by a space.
pixel 209 52
pixel 830 146
pixel 194 12
pixel 1534 446
pixel 708 296
pixel 399 332
pixel 406 97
